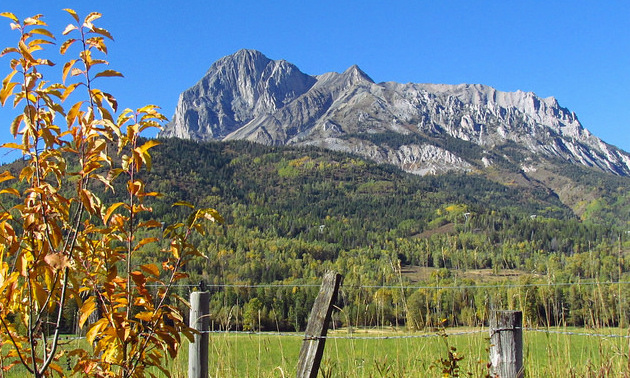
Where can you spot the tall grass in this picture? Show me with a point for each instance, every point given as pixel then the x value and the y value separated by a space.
pixel 377 353
pixel 380 353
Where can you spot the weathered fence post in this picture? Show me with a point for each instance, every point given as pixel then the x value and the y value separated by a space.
pixel 199 320
pixel 314 338
pixel 506 344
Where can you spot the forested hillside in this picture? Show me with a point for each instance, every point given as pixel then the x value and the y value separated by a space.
pixel 292 213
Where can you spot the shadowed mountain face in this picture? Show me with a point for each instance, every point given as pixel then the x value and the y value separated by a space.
pixel 421 128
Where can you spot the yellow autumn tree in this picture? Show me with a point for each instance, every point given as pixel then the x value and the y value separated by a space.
pixel 61 243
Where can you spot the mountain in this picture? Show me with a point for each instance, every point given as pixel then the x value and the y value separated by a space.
pixel 249 96
pixel 514 138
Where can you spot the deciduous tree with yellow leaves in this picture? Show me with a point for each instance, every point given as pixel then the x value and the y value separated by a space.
pixel 60 242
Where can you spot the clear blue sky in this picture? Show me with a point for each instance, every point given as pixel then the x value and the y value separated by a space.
pixel 577 51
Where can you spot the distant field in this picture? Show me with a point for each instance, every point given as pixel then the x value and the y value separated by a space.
pixel 402 354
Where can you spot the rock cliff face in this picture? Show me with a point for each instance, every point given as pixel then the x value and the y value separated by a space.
pixel 436 126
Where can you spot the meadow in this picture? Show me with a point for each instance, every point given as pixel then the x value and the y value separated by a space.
pixel 552 352
pixel 549 352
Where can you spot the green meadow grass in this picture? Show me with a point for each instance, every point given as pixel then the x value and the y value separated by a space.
pixel 545 354
pixel 368 354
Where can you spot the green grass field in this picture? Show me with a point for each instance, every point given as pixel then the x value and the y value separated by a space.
pixel 368 354
pixel 545 354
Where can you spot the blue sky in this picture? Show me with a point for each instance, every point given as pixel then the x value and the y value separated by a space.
pixel 576 51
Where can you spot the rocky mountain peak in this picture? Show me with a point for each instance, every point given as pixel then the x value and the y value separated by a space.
pixel 356 74
pixel 422 128
pixel 235 90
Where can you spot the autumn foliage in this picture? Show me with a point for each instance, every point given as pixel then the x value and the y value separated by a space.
pixel 61 243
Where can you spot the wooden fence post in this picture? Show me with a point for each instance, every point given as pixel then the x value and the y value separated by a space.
pixel 314 338
pixel 506 344
pixel 199 320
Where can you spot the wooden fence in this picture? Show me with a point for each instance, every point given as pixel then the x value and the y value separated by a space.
pixel 506 335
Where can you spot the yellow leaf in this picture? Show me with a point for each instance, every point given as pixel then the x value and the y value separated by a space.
pixel 151 269
pixel 212 215
pixel 10 191
pixel 9 50
pixel 56 368
pixel 102 32
pixel 76 72
pixel 68 29
pixel 183 203
pixel 40 293
pixel 35 20
pixel 90 201
pixel 64 46
pixel 5 176
pixel 112 354
pixel 95 329
pixel 69 89
pixel 108 73
pixel 7 90
pixel 90 18
pixel 89 306
pixel 145 316
pixel 73 113
pixel 98 43
pixel 111 101
pixel 56 260
pixel 10 15
pixel 69 64
pixel 72 13
pixel 43 32
pixel 146 241
pixel 150 223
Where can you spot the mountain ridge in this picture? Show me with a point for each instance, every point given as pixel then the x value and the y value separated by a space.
pixel 249 96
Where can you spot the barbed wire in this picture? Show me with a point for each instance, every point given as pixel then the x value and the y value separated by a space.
pixel 408 336
pixel 571 333
pixel 437 287
pixel 352 336
pixel 348 337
